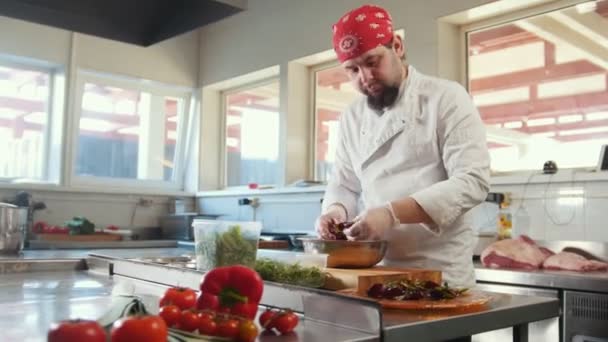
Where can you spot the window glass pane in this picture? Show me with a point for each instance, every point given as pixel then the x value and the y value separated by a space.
pixel 126 133
pixel 24 97
pixel 540 86
pixel 333 94
pixel 252 135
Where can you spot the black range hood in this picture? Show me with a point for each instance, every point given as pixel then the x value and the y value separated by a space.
pixel 139 22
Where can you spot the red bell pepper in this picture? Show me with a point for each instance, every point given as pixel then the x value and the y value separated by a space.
pixel 232 289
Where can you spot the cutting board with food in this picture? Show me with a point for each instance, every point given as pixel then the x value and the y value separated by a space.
pixel 340 279
pixel 421 295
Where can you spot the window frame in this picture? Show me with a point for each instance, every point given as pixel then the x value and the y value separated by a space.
pixel 54 117
pixel 313 70
pixel 224 93
pixel 503 19
pixel 165 90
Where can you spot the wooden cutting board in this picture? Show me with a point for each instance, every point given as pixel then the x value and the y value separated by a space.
pixel 82 237
pixel 362 279
pixel 469 301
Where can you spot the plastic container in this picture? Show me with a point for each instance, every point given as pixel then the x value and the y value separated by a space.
pixel 304 259
pixel 225 243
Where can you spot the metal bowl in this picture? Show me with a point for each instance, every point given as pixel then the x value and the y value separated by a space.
pixel 347 254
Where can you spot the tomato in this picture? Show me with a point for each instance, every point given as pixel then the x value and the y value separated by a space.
pixel 140 329
pixel 207 302
pixel 170 314
pixel 189 320
pixel 76 330
pixel 228 328
pixel 286 322
pixel 266 319
pixel 183 297
pixel 247 310
pixel 247 331
pixel 207 325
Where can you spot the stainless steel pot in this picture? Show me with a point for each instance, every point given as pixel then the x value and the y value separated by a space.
pixel 13 226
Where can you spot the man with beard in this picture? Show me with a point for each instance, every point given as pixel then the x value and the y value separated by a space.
pixel 411 154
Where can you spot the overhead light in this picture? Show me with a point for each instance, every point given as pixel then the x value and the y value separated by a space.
pixel 540 122
pixel 544 134
pixel 596 116
pixel 133 130
pixel 36 118
pixel 172 118
pixel 513 124
pixel 233 120
pixel 590 130
pixel 232 142
pixel 570 118
pixel 172 135
pixel 96 125
pixel 9 113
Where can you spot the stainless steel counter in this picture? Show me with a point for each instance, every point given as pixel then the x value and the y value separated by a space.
pixel 31 299
pixel 567 280
pixel 30 302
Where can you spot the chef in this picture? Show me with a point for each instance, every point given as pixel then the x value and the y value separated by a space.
pixel 411 158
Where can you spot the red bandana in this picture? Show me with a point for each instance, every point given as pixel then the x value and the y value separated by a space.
pixel 361 30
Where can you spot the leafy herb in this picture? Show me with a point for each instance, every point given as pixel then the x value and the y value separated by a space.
pixel 225 249
pixel 80 225
pixel 295 274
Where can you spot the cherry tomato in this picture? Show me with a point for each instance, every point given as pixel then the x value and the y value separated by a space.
pixel 207 301
pixel 246 310
pixel 228 328
pixel 140 329
pixel 286 322
pixel 76 330
pixel 183 297
pixel 207 325
pixel 247 331
pixel 170 314
pixel 189 320
pixel 267 319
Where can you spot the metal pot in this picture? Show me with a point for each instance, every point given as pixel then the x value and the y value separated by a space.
pixel 13 227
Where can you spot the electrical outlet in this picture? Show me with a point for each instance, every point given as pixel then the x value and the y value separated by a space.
pixel 144 202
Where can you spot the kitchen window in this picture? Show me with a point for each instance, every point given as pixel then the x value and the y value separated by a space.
pixel 26 100
pixel 129 132
pixel 333 94
pixel 540 84
pixel 252 134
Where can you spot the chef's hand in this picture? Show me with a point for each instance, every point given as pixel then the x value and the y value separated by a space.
pixel 372 224
pixel 334 214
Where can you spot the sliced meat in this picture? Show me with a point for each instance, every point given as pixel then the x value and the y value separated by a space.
pixel 573 262
pixel 521 253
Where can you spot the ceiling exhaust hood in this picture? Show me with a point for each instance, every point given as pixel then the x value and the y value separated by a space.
pixel 139 22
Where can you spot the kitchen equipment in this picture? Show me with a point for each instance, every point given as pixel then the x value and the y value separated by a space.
pixel 347 254
pixel 178 226
pixel 344 278
pixel 290 238
pixel 585 316
pixel 13 228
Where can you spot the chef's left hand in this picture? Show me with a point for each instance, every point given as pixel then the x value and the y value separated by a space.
pixel 372 224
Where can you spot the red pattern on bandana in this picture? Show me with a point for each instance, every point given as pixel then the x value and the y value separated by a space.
pixel 361 30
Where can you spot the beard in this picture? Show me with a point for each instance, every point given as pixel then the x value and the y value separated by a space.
pixel 386 98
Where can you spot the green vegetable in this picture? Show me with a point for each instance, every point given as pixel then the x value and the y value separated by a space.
pixel 224 249
pixel 294 274
pixel 80 225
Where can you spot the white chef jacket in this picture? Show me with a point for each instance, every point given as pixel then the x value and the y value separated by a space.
pixel 430 145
